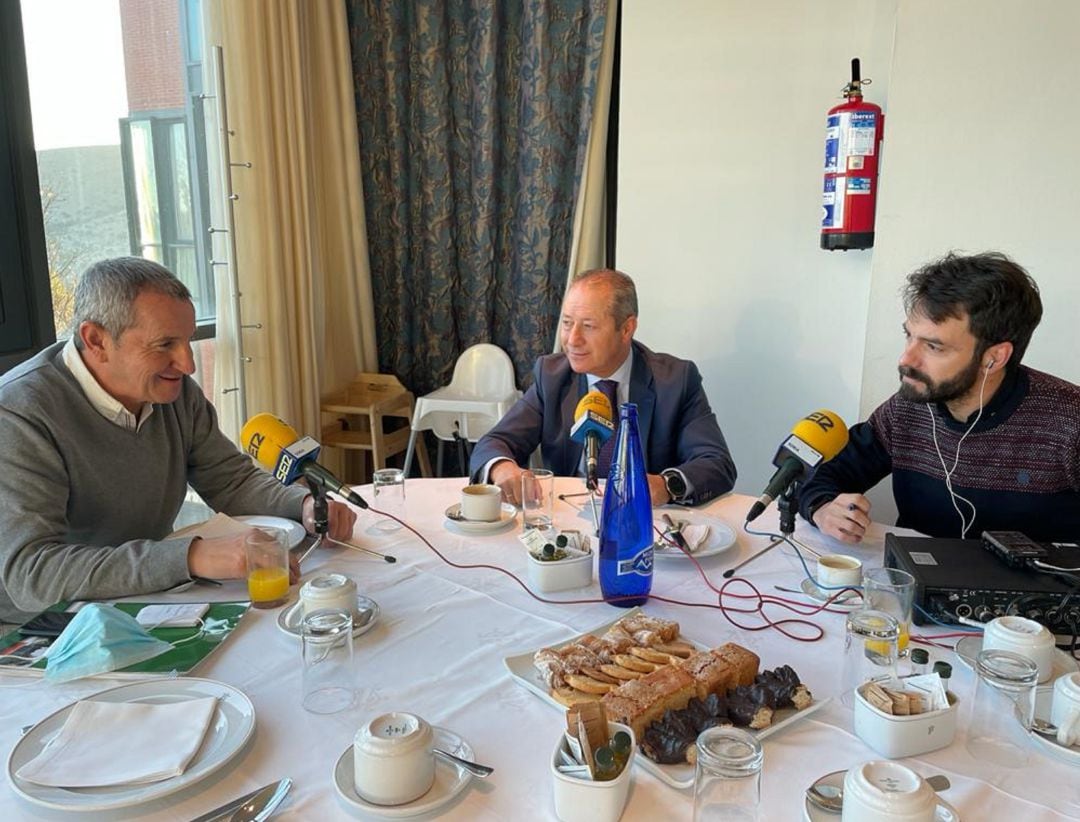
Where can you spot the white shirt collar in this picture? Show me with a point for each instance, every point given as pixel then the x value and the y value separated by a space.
pixel 621 376
pixel 102 401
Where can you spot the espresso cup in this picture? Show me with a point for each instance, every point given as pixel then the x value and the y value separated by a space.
pixel 1065 709
pixel 334 591
pixel 837 570
pixel 1025 637
pixel 392 759
pixel 481 503
pixel 886 791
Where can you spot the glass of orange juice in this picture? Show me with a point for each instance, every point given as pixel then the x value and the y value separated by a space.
pixel 892 591
pixel 267 556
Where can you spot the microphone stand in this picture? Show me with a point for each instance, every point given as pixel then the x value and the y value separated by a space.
pixel 321 516
pixel 787 505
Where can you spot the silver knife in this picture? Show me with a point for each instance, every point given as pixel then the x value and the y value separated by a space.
pixel 263 804
pixel 230 806
pixel 675 532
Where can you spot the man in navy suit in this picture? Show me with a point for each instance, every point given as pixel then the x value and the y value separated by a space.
pixel 685 453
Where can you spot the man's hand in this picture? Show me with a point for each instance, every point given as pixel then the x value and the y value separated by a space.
pixel 658 491
pixel 224 558
pixel 219 558
pixel 507 475
pixel 845 518
pixel 340 517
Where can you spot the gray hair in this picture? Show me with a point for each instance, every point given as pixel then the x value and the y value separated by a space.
pixel 624 304
pixel 107 290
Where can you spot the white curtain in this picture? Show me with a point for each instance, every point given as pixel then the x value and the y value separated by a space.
pixel 301 243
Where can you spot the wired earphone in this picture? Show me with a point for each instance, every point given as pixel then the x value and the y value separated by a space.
pixel 955 498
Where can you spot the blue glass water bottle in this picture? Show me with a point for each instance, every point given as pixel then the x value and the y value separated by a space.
pixel 626 538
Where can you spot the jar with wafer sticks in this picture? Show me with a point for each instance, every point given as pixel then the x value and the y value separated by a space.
pixel 591 766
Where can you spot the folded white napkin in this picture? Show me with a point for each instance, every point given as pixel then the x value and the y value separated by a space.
pixel 695 535
pixel 120 743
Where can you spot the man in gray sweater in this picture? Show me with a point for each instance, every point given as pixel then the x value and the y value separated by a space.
pixel 100 436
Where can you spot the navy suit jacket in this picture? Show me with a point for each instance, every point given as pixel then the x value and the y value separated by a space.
pixel 678 428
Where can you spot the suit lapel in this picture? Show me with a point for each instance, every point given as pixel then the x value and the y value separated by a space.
pixel 643 395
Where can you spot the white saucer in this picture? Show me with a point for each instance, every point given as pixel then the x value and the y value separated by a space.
pixel 507 515
pixel 721 535
pixel 847 602
pixel 1044 698
pixel 288 620
pixel 294 531
pixel 450 780
pixel 812 813
pixel 968 648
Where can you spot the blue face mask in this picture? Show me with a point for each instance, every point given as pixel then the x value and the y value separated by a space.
pixel 99 639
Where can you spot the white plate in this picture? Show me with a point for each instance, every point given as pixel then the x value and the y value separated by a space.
pixel 230 729
pixel 1044 698
pixel 968 648
pixel 450 780
pixel 521 668
pixel 812 813
pixel 846 602
pixel 288 620
pixel 507 515
pixel 294 531
pixel 721 536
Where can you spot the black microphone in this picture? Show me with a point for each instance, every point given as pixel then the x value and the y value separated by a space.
pixel 816 438
pixel 279 449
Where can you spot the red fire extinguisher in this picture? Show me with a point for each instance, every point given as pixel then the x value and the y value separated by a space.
pixel 853 134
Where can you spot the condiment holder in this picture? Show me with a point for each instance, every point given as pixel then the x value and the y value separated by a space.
pixel 581 799
pixel 896 737
pixel 393 762
pixel 571 567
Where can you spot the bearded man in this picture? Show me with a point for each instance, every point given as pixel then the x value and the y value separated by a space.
pixel 974 440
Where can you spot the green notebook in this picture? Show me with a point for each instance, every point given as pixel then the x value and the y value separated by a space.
pixel 23 655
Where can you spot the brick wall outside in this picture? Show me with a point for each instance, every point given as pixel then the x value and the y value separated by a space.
pixel 152 56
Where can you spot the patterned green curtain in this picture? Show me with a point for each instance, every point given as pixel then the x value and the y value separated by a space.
pixel 473 118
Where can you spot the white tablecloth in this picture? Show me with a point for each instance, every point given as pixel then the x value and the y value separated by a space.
pixel 438 651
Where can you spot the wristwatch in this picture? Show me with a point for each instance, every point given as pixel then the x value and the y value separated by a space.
pixel 675 484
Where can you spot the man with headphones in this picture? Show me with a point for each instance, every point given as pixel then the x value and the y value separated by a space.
pixel 974 440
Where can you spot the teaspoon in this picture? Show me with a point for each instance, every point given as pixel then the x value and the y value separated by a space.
pixel 1044 728
pixel 472 767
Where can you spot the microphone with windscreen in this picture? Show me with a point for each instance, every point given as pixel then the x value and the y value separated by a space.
pixel 592 427
pixel 816 438
pixel 284 453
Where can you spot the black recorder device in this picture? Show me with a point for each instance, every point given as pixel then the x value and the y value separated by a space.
pixel 987 578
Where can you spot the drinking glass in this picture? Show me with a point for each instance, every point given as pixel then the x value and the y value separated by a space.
pixel 870 651
pixel 267 555
pixel 328 678
pixel 388 489
pixel 1002 709
pixel 727 775
pixel 892 591
pixel 537 499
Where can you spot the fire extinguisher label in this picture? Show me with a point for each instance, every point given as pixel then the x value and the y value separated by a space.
pixel 832 203
pixel 848 134
pixel 858 185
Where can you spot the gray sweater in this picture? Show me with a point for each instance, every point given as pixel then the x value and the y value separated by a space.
pixel 85 504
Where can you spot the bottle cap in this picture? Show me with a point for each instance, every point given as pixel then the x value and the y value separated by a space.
pixel 943 669
pixel 920 656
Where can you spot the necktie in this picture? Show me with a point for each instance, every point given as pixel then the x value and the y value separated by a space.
pixel 609 388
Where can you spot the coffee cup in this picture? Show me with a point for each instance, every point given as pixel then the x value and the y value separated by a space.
pixel 393 761
pixel 885 791
pixel 1065 709
pixel 1025 637
pixel 838 570
pixel 334 591
pixel 481 503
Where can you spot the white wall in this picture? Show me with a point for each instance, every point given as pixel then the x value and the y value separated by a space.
pixel 721 133
pixel 721 142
